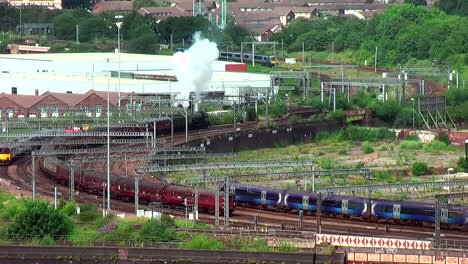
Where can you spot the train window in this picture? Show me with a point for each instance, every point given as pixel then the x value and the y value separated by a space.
pixel 453 214
pixel 417 211
pixel 272 196
pixel 241 192
pixel 331 203
pixel 7 151
pixel 259 57
pixel 237 55
pixel 355 205
pixel 1 150
pixel 255 194
pixel 383 208
pixel 294 199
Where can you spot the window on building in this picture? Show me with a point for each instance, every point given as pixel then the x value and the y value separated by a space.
pixel 44 110
pixel 55 111
pixel 9 112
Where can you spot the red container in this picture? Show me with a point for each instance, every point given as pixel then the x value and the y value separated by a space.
pixel 236 67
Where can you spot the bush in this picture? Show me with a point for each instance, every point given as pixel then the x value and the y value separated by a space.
pixel 413 137
pixel 337 114
pixel 367 147
pixel 40 219
pixel 325 137
pixel 463 164
pixel 48 241
pixel 70 208
pixel 420 168
pixel 366 134
pixel 410 145
pixel 445 139
pixel 157 231
pixel 203 242
pixel 286 247
pixel 436 147
pixel 88 213
pixel 292 120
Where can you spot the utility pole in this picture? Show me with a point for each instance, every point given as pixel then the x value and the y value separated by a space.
pixel 303 57
pixel 77 34
pixel 375 60
pixel 136 193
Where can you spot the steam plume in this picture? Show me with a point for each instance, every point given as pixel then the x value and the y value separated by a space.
pixel 193 67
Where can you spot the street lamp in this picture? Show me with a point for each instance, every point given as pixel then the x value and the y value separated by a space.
pixel 108 140
pixel 119 25
pixel 412 99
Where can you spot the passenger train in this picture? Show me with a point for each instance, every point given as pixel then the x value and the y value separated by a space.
pixel 267 60
pixel 346 206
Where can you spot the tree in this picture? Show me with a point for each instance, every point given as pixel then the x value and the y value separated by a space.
pixel 145 44
pixel 65 26
pixel 416 2
pixel 39 219
pixel 455 7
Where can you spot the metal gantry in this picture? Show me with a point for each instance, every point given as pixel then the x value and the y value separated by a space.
pixel 78 134
pixel 438 212
pixel 84 142
pixel 373 187
pixel 104 150
pixel 161 157
pixel 227 166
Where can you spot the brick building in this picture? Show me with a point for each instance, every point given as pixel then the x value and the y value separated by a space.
pixel 53 104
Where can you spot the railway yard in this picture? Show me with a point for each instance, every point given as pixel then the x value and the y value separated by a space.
pixel 298 182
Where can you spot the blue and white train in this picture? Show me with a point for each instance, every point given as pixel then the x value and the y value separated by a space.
pixel 267 60
pixel 346 206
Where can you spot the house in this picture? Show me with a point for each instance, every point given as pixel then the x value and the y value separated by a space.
pixel 162 13
pixel 23 106
pixel 50 4
pixel 108 6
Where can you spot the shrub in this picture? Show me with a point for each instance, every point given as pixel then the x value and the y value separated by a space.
pixel 203 242
pixel 70 208
pixel 40 219
pixel 157 231
pixel 292 120
pixel 88 213
pixel 366 134
pixel 445 139
pixel 286 247
pixel 420 168
pixel 367 147
pixel 413 137
pixel 337 114
pixel 385 176
pixel 463 164
pixel 436 147
pixel 48 241
pixel 410 145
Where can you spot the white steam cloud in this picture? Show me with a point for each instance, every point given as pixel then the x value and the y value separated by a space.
pixel 193 67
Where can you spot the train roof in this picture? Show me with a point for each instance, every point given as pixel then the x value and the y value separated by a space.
pixel 251 186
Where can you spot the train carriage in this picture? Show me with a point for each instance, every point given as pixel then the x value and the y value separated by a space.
pixel 259 196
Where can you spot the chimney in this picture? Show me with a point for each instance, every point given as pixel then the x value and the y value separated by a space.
pixel 36 92
pixel 69 92
pixel 14 90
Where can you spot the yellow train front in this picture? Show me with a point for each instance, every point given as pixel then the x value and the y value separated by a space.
pixel 5 156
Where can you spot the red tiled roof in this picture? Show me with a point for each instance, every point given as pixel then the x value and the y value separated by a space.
pixel 25 101
pixel 105 6
pixel 68 99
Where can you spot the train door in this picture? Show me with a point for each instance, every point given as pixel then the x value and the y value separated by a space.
pixel 396 211
pixel 305 202
pixel 444 215
pixel 344 206
pixel 263 197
